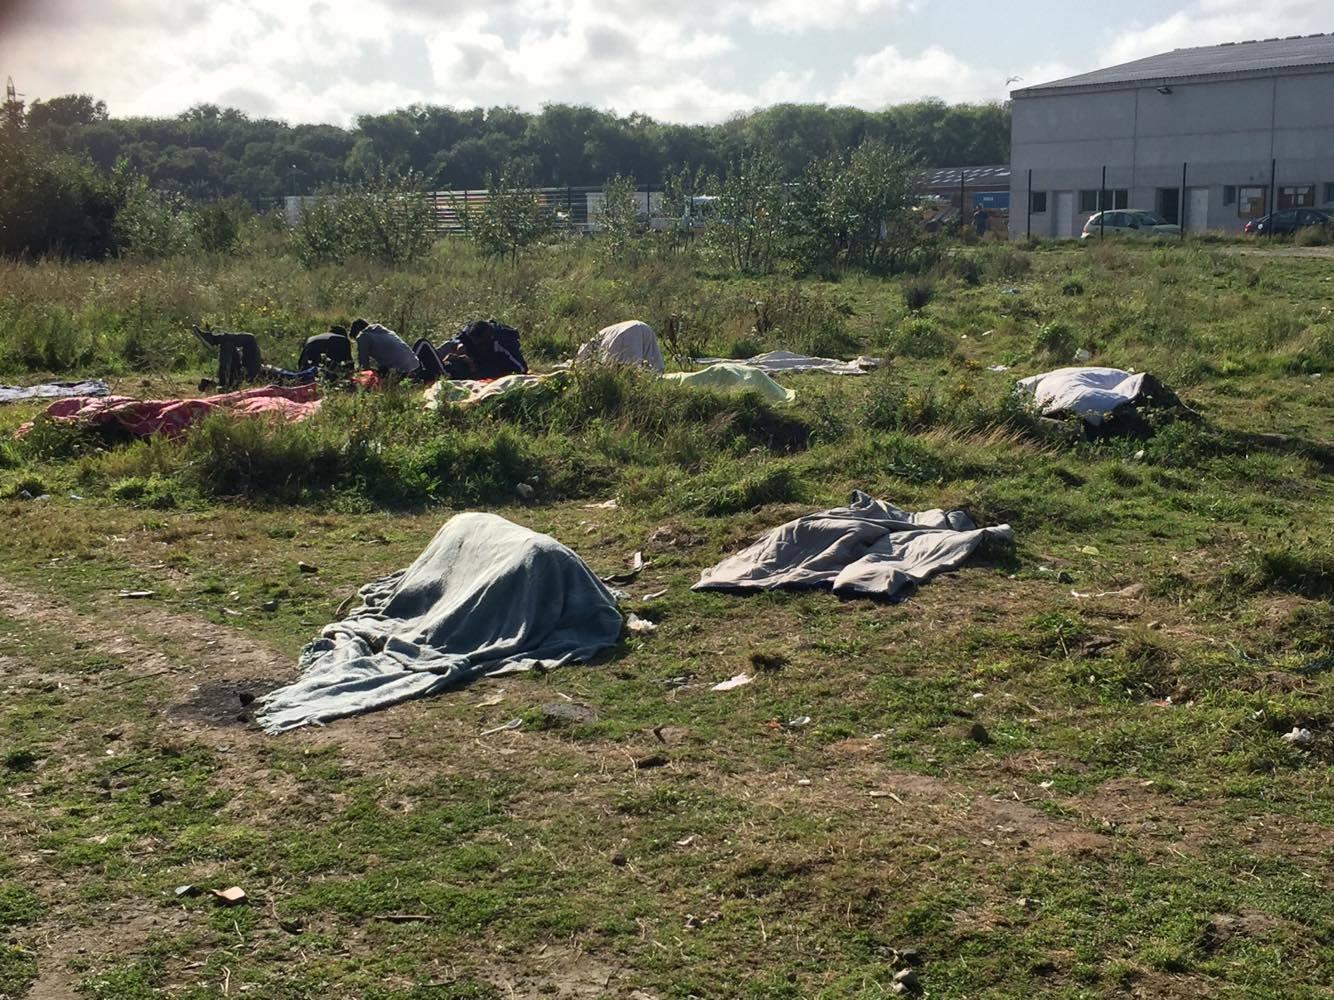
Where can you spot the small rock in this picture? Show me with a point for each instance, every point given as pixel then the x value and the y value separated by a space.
pixel 569 711
pixel 1064 577
pixel 908 978
pixel 909 956
pixel 618 859
pixel 651 761
pixel 525 491
pixel 187 890
pixel 306 567
pixel 291 926
pixel 156 798
pixel 269 606
pixel 693 922
pixel 230 897
pixel 1299 737
pixel 978 733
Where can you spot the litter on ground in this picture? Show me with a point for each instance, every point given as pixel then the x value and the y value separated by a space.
pixel 740 680
pixel 775 362
pixel 53 390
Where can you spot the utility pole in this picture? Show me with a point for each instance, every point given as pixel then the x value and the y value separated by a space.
pixel 13 111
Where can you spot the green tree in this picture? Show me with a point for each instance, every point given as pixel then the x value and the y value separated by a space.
pixel 746 232
pixel 621 226
pixel 510 220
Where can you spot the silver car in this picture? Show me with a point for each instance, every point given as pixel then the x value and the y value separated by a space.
pixel 1132 221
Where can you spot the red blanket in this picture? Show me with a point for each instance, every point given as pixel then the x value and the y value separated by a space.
pixel 145 417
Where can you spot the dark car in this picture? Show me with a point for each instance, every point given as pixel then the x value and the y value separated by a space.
pixel 1288 221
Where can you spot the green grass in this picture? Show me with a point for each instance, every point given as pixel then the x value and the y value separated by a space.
pixel 1132 820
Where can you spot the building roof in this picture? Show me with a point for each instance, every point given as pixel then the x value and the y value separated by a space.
pixel 949 176
pixel 1229 61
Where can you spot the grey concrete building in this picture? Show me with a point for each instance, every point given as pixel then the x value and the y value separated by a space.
pixel 1210 136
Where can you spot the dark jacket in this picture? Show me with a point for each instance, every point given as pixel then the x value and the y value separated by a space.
pixel 503 355
pixel 325 349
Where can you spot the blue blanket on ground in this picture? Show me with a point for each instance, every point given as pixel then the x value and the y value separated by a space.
pixel 486 596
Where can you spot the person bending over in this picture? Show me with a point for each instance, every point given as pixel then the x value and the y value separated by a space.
pixel 382 350
pixel 238 356
pixel 326 350
pixel 484 349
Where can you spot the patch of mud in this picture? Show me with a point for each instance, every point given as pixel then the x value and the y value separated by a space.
pixel 224 702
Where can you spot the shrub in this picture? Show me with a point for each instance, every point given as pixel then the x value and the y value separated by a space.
pixel 1072 286
pixel 918 338
pixel 1055 339
pixel 386 219
pixel 1006 263
pixel 966 267
pixel 745 233
pixel 53 204
pixel 917 293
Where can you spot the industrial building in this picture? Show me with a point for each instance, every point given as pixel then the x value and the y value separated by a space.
pixel 1207 137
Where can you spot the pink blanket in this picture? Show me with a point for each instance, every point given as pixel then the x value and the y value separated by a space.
pixel 145 417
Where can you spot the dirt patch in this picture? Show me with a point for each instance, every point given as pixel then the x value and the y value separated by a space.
pixel 224 702
pixel 117 934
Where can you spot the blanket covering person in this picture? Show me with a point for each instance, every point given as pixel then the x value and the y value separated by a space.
pixel 486 596
pixel 630 343
pixel 734 377
pixel 1092 393
pixel 866 549
pixel 172 417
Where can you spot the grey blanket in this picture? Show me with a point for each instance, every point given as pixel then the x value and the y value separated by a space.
pixel 868 548
pixel 53 390
pixel 485 597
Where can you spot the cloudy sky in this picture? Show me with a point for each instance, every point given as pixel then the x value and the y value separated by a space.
pixel 682 60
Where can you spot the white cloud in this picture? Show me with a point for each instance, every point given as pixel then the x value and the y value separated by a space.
pixel 801 15
pixel 890 77
pixel 1211 22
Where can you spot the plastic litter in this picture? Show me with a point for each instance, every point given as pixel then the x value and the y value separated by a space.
pixel 639 626
pixel 1299 737
pixel 740 680
pixel 503 727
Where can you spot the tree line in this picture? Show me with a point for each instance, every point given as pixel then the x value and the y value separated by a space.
pixel 210 153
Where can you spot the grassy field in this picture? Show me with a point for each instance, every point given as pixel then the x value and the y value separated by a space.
pixel 1057 772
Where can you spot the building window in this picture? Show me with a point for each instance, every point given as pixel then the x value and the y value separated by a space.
pixel 1229 194
pixel 1039 202
pixel 1329 194
pixel 1251 202
pixel 1090 201
pixel 1298 196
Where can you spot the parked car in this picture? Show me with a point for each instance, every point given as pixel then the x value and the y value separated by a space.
pixel 1287 222
pixel 1132 221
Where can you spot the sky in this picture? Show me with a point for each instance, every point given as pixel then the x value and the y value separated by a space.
pixel 682 60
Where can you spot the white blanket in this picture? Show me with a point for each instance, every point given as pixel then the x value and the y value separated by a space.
pixel 630 343
pixel 786 361
pixel 1088 392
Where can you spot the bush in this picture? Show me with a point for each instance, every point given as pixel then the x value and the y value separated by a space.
pixel 918 293
pixel 966 267
pixel 1055 339
pixel 386 219
pixel 511 220
pixel 53 204
pixel 1072 286
pixel 1006 263
pixel 918 338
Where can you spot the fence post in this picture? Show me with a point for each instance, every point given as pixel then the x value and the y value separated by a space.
pixel 1102 205
pixel 1272 205
pixel 1181 215
pixel 1030 203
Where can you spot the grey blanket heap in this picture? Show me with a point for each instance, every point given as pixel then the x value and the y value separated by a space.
pixel 868 548
pixel 486 596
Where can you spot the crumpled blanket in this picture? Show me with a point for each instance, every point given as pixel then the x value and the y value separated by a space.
pixel 868 549
pixel 467 390
pixel 486 596
pixel 734 377
pixel 630 343
pixel 1087 392
pixel 53 390
pixel 787 361
pixel 172 417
